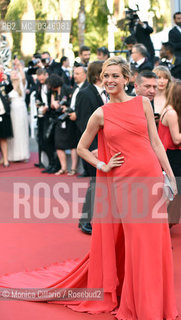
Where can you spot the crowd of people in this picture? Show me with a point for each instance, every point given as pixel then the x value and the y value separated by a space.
pixel 123 118
pixel 66 98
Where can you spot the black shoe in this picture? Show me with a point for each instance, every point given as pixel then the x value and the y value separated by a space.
pixel 47 169
pixel 85 227
pixel 54 169
pixel 39 165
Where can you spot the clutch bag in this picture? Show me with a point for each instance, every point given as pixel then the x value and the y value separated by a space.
pixel 168 190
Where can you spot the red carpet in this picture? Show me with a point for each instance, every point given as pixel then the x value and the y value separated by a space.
pixel 25 246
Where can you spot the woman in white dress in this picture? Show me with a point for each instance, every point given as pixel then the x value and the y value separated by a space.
pixel 18 146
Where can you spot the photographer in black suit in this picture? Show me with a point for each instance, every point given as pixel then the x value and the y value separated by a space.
pixel 50 65
pixel 174 34
pixel 64 62
pixel 42 102
pixel 142 35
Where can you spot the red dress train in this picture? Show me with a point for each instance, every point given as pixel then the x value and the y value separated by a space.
pixel 131 261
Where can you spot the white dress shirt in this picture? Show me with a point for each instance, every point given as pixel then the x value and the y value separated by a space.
pixel 74 95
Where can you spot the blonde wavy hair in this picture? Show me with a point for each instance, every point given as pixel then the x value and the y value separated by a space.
pixel 117 61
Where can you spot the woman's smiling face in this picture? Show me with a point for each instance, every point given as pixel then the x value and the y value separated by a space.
pixel 113 79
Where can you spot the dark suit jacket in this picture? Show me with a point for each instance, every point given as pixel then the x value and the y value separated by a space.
pixel 66 78
pixel 143 36
pixel 146 65
pixel 54 67
pixel 87 101
pixel 176 69
pixel 174 37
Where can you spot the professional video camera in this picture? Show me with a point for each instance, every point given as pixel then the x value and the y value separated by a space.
pixel 130 21
pixel 132 17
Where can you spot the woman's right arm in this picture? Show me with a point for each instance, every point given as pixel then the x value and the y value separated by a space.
pixel 95 123
pixel 172 122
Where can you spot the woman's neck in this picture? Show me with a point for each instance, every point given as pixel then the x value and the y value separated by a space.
pixel 161 93
pixel 119 98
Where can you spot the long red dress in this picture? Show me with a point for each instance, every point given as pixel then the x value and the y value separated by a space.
pixel 131 261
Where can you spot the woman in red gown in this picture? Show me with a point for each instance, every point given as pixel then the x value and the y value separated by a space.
pixel 169 131
pixel 127 125
pixel 130 258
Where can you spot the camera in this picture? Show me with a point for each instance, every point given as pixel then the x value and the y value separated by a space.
pixel 45 61
pixel 132 18
pixel 61 103
pixel 40 106
pixel 33 63
pixel 32 66
pixel 131 14
pixel 65 115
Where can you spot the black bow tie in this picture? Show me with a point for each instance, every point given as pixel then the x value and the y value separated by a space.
pixel 105 93
pixel 134 64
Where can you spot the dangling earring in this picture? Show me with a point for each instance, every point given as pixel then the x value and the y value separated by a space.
pixel 126 87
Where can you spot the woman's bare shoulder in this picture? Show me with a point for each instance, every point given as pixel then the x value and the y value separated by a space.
pixel 98 116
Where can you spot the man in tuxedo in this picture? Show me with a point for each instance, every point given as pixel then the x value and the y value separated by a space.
pixel 44 114
pixel 64 62
pixel 174 34
pixel 140 57
pixel 42 108
pixel 87 101
pixel 50 65
pixel 80 78
pixel 168 59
